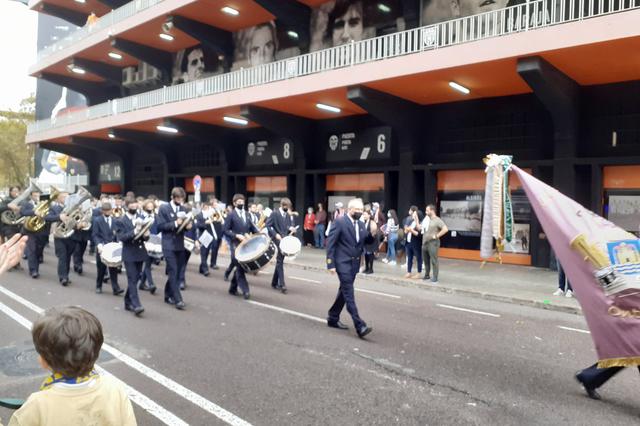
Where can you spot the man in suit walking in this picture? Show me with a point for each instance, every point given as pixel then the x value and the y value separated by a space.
pixel 279 225
pixel 206 223
pixel 63 247
pixel 133 253
pixel 236 226
pixel 35 238
pixel 103 232
pixel 169 218
pixel 345 245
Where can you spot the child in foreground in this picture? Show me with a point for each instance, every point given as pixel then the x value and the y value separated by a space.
pixel 68 341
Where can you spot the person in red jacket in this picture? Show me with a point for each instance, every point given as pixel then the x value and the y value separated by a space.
pixel 309 226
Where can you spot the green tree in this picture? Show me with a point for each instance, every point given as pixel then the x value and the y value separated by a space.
pixel 16 158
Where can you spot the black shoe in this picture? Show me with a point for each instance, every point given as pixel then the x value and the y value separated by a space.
pixel 591 392
pixel 181 305
pixel 426 277
pixel 246 296
pixel 65 282
pixel 337 324
pixel 364 331
pixel 226 277
pixel 214 267
pixel 152 290
pixel 169 300
pixel 98 290
pixel 183 286
pixel 77 270
pixel 233 293
pixel 118 292
pixel 105 280
pixel 283 289
pixel 35 275
pixel 139 310
pixel 144 287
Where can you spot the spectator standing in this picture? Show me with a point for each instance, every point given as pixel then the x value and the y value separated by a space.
pixel 321 226
pixel 391 235
pixel 412 247
pixel 564 286
pixel 432 233
pixel 309 226
pixel 369 246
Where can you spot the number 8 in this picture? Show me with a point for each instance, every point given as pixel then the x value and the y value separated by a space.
pixel 287 153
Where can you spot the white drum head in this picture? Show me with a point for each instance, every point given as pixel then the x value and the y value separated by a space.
pixel 290 246
pixel 252 248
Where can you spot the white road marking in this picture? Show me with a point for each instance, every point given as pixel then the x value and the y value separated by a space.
pixel 288 311
pixel 455 308
pixel 574 329
pixel 142 400
pixel 304 279
pixel 168 383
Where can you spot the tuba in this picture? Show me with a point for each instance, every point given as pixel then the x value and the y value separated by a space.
pixel 36 223
pixel 75 215
pixel 9 217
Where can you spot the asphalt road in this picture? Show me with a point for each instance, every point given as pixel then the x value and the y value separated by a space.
pixel 273 360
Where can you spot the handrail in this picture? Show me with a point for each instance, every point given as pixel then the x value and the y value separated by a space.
pixel 105 21
pixel 510 20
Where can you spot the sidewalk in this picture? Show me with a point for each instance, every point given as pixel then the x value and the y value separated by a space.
pixel 523 285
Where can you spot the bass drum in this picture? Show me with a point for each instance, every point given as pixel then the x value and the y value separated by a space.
pixel 290 246
pixel 154 246
pixel 255 252
pixel 111 255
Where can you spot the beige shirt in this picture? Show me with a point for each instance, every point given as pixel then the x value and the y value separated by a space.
pixel 435 225
pixel 101 402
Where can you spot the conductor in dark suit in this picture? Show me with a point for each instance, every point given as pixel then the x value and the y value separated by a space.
pixel 279 225
pixel 169 218
pixel 133 253
pixel 103 232
pixel 236 226
pixel 345 245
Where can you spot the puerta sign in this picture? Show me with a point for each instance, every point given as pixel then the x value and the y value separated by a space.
pixel 269 152
pixel 110 172
pixel 368 144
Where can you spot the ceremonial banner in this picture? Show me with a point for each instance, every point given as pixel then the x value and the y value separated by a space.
pixel 602 262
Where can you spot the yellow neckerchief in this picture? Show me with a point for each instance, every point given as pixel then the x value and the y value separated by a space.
pixel 59 378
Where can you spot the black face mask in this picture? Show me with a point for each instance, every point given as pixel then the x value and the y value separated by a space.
pixel 285 209
pixel 133 211
pixel 356 215
pixel 149 211
pixel 240 206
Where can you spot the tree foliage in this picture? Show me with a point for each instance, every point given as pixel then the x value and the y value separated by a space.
pixel 16 158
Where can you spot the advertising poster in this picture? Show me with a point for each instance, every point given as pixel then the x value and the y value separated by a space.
pixel 624 211
pixel 464 216
pixel 521 238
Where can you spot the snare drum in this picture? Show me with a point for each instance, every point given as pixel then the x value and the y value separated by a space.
pixel 255 252
pixel 154 246
pixel 290 246
pixel 111 255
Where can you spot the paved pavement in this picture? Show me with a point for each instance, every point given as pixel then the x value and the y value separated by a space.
pixel 434 358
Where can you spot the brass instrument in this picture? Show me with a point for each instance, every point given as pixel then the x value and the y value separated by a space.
pixel 144 230
pixel 262 221
pixel 74 214
pixel 185 221
pixel 217 216
pixel 9 217
pixel 36 223
pixel 87 218
pixel 118 212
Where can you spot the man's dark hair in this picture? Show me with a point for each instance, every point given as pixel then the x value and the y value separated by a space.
pixel 285 202
pixel 178 192
pixel 237 197
pixel 128 201
pixel 413 208
pixel 339 9
pixel 68 339
pixel 208 57
pixel 431 207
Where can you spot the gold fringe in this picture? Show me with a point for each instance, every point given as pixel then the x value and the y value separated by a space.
pixel 619 362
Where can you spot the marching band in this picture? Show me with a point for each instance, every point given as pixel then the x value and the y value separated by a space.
pixel 135 234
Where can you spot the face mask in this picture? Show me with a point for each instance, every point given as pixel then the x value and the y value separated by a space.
pixel 356 215
pixel 285 209
pixel 133 211
pixel 240 206
pixel 176 202
pixel 149 211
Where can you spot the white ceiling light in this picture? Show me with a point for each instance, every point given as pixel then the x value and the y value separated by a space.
pixel 292 34
pixel 166 129
pixel 165 36
pixel 111 135
pixel 115 55
pixel 234 120
pixel 328 108
pixel 459 87
pixel 76 69
pixel 230 11
pixel 384 8
pixel 81 1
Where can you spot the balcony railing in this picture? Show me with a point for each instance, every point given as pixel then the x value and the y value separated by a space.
pixel 510 20
pixel 106 21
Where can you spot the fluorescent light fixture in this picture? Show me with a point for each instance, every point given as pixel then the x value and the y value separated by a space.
pixel 292 34
pixel 111 135
pixel 384 8
pixel 115 55
pixel 328 108
pixel 230 11
pixel 166 129
pixel 77 70
pixel 234 120
pixel 81 1
pixel 459 87
pixel 165 36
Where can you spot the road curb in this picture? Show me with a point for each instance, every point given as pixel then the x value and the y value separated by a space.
pixel 472 293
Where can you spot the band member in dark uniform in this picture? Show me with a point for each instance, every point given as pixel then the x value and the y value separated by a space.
pixel 345 245
pixel 279 225
pixel 63 246
pixel 204 223
pixel 237 225
pixel 218 221
pixel 146 277
pixel 169 218
pixel 133 253
pixel 103 232
pixel 81 236
pixel 35 243
pixel 7 231
pixel 190 233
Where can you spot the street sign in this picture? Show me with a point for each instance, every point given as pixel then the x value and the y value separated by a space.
pixel 197 182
